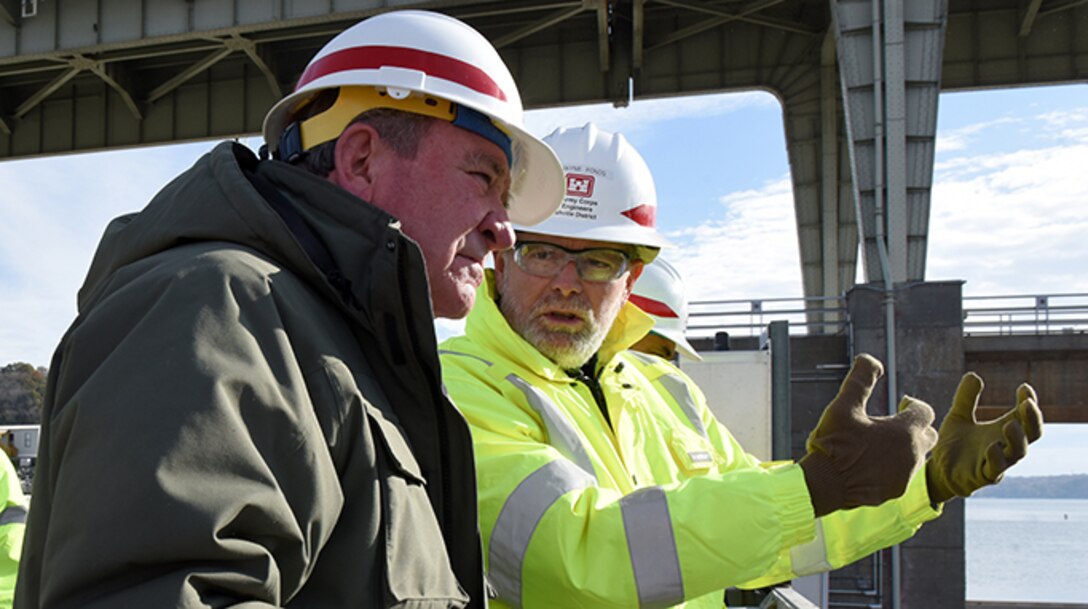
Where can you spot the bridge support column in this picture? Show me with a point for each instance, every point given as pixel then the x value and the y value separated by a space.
pixel 890 66
pixel 930 361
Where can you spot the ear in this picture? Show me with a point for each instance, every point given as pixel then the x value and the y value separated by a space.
pixel 358 152
pixel 633 274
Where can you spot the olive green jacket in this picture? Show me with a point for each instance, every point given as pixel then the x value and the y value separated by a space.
pixel 247 412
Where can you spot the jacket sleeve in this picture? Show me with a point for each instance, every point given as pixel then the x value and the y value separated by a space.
pixel 845 536
pixel 557 537
pixel 841 537
pixel 184 463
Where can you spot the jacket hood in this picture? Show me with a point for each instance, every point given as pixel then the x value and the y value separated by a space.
pixel 214 200
pixel 486 324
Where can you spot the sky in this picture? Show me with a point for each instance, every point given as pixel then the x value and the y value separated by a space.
pixel 1009 209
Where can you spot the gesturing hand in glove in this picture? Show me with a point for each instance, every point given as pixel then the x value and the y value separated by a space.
pixel 854 459
pixel 970 455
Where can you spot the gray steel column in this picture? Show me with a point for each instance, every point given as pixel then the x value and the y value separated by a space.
pixel 890 64
pixel 778 339
pixel 829 175
pixel 890 59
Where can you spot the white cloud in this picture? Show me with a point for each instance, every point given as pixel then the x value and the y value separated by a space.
pixel 961 138
pixel 1062 119
pixel 1012 223
pixel 749 251
pixel 1066 126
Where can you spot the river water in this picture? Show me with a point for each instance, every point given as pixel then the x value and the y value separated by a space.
pixel 1027 550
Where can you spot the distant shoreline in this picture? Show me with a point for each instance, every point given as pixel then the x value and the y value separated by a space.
pixel 1066 486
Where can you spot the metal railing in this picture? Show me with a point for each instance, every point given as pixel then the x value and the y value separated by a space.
pixel 786 598
pixel 1025 314
pixel 817 315
pixel 982 315
pixel 778 597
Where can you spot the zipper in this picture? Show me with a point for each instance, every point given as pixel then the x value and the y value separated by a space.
pixel 594 386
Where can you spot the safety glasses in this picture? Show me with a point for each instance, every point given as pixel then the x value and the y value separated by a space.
pixel 596 265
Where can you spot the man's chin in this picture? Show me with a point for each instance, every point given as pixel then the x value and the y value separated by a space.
pixel 562 348
pixel 568 358
pixel 456 305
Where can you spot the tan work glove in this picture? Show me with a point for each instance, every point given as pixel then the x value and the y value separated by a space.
pixel 970 455
pixel 854 459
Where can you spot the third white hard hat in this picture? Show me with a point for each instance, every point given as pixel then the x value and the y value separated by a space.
pixel 659 292
pixel 610 194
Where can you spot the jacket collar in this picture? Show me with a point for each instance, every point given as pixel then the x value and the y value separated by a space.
pixel 384 266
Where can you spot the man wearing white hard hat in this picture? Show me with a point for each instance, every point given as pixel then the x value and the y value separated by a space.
pixel 604 480
pixel 248 410
pixel 659 293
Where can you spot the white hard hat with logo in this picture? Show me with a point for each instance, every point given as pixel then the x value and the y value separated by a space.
pixel 659 292
pixel 426 63
pixel 610 194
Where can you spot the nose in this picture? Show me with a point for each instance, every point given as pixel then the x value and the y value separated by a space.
pixel 567 281
pixel 497 231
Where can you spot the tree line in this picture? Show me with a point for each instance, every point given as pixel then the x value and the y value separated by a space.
pixel 22 392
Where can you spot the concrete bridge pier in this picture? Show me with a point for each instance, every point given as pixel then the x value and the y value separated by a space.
pixel 928 361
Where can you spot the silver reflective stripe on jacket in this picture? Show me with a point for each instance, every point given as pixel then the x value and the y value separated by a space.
pixel 519 518
pixel 462 354
pixel 13 514
pixel 811 557
pixel 681 393
pixel 561 432
pixel 652 546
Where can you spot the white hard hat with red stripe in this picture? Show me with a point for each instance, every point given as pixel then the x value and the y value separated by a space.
pixel 414 61
pixel 610 194
pixel 659 292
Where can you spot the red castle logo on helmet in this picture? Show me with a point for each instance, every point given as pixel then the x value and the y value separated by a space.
pixel 579 185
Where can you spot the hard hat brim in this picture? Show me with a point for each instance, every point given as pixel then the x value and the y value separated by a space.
pixel 682 344
pixel 537 189
pixel 630 234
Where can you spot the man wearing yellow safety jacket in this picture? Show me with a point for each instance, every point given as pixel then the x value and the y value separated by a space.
pixel 604 480
pixel 12 527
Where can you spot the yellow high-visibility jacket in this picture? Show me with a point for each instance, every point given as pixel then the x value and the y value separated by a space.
pixel 12 526
pixel 659 507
